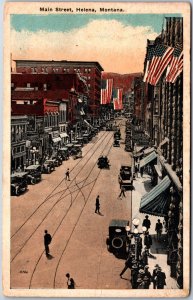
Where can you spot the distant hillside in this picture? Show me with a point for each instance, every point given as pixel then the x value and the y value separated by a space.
pixel 121 80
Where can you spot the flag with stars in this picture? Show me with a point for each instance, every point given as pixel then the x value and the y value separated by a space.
pixel 150 54
pixel 161 58
pixel 176 65
pixel 106 90
pixel 118 99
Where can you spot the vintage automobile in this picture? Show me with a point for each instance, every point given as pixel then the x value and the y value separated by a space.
pixel 63 152
pixel 57 160
pixel 117 135
pixel 48 166
pixel 117 238
pixel 103 162
pixel 34 174
pixel 77 155
pixel 116 143
pixel 126 176
pixel 18 183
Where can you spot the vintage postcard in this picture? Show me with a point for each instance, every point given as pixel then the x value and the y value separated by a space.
pixel 96 149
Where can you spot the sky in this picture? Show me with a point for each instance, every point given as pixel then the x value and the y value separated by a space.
pixel 116 41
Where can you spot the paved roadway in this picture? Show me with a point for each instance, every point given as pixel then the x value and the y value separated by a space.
pixel 66 210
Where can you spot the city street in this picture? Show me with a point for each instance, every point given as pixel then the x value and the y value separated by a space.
pixel 67 210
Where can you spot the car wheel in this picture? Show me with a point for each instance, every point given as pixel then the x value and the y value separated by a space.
pixel 17 193
pixel 33 181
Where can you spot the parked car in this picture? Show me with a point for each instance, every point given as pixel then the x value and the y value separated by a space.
pixel 56 160
pixel 34 174
pixel 117 238
pixel 63 152
pixel 126 176
pixel 18 183
pixel 103 162
pixel 116 143
pixel 48 166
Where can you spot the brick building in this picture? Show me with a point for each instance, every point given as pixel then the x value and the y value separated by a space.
pixel 88 72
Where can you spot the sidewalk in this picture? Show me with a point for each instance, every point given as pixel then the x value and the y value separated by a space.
pixel 158 250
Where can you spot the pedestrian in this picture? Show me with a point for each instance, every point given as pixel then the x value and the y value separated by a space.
pixel 134 276
pixel 173 263
pixel 68 174
pixel 138 240
pixel 144 256
pixel 148 241
pixel 47 241
pixel 128 264
pixel 141 171
pixel 97 205
pixel 120 180
pixel 140 283
pixel 154 276
pixel 158 229
pixel 122 192
pixel 161 279
pixel 146 222
pixel 147 276
pixel 70 282
pixel 136 171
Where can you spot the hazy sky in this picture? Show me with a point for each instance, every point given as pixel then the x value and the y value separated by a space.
pixel 117 42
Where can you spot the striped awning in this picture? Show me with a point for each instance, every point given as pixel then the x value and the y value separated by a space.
pixel 148 150
pixel 156 201
pixel 146 160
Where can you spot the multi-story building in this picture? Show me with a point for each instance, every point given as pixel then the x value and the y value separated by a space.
pixel 164 123
pixel 88 72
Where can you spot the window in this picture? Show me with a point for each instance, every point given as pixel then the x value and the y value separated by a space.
pixel 35 69
pixel 32 70
pixel 85 70
pixel 75 70
pixel 45 87
pixel 64 70
pixel 88 77
pixel 28 85
pixel 89 70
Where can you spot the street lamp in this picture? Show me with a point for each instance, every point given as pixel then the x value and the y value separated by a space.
pixel 136 234
pixel 34 151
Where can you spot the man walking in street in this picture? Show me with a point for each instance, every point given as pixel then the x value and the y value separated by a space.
pixel 97 205
pixel 148 241
pixel 70 282
pixel 68 174
pixel 47 241
pixel 128 264
pixel 146 222
pixel 154 276
pixel 122 192
pixel 158 229
pixel 147 274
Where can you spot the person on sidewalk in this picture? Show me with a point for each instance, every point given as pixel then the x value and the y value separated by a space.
pixel 47 241
pixel 134 276
pixel 158 229
pixel 128 264
pixel 68 174
pixel 147 274
pixel 161 279
pixel 154 276
pixel 146 222
pixel 136 171
pixel 97 205
pixel 144 256
pixel 70 282
pixel 122 192
pixel 148 241
pixel 140 283
pixel 141 171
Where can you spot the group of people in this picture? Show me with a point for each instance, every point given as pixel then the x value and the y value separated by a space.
pixel 141 277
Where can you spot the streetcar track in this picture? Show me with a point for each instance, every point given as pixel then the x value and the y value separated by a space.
pixel 80 189
pixel 49 211
pixel 50 195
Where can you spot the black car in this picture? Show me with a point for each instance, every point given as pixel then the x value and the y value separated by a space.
pixel 34 174
pixel 57 160
pixel 64 153
pixel 48 166
pixel 18 183
pixel 117 239
pixel 103 162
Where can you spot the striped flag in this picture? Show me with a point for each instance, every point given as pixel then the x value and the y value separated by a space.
pixel 118 99
pixel 106 90
pixel 150 54
pixel 176 64
pixel 161 59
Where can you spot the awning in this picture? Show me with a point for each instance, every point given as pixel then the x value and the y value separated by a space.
pixel 158 170
pixel 63 135
pixel 88 124
pixel 146 160
pixel 156 201
pixel 149 150
pixel 56 140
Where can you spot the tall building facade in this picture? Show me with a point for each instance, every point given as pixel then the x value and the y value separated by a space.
pixel 88 72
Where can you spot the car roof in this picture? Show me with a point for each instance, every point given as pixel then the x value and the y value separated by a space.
pixel 32 167
pixel 18 174
pixel 118 222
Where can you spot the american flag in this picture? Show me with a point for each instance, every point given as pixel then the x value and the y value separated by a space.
pixel 176 64
pixel 161 59
pixel 150 54
pixel 106 90
pixel 118 99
